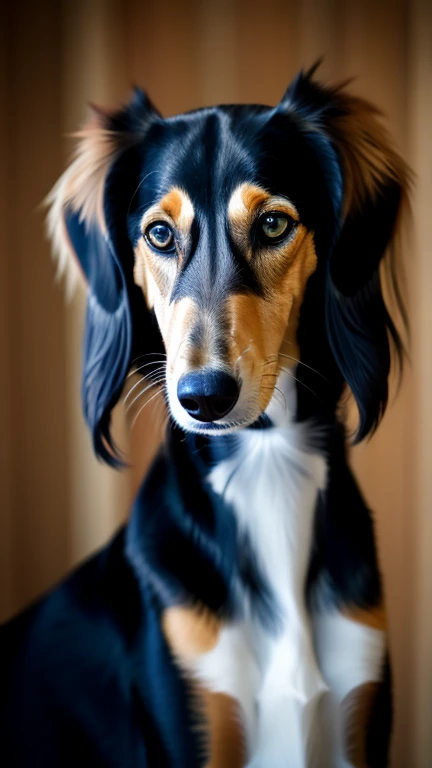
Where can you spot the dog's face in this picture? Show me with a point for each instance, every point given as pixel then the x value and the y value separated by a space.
pixel 223 249
pixel 218 219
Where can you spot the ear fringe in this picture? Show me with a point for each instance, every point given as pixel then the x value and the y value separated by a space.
pixel 372 167
pixel 368 154
pixel 354 126
pixel 358 328
pixel 81 206
pixel 81 188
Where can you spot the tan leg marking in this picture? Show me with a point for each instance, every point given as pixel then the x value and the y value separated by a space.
pixel 356 710
pixel 371 617
pixel 226 738
pixel 190 630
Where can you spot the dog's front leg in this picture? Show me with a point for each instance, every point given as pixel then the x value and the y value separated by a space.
pixel 220 663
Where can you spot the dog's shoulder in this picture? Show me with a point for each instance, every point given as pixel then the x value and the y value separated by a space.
pixel 80 676
pixel 66 668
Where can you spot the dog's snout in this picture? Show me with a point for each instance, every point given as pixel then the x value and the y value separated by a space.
pixel 207 395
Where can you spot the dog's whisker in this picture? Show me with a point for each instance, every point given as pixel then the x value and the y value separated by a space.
pixel 151 376
pixel 290 373
pixel 141 182
pixel 145 365
pixel 279 391
pixel 154 383
pixel 147 354
pixel 300 362
pixel 243 353
pixel 159 391
pixel 140 394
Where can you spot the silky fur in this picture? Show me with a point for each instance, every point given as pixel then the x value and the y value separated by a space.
pixel 236 621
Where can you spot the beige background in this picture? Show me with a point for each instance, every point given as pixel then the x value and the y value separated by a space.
pixel 57 503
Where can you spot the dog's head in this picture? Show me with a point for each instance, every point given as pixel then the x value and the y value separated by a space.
pixel 242 238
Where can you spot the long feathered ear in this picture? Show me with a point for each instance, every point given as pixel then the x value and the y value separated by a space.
pixel 368 182
pixel 87 226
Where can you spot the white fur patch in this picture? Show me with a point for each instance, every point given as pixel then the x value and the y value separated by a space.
pixel 349 653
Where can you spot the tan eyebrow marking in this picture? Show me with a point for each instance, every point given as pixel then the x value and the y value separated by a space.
pixel 253 196
pixel 178 206
pixel 246 201
pixel 243 202
pixel 247 198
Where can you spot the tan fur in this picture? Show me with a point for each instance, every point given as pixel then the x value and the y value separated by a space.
pixel 367 151
pixel 190 631
pixel 246 203
pixel 262 324
pixel 178 207
pixel 226 738
pixel 253 196
pixel 375 617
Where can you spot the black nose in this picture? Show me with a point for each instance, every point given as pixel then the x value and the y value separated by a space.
pixel 207 395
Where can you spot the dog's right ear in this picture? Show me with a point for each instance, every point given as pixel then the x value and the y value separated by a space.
pixel 87 225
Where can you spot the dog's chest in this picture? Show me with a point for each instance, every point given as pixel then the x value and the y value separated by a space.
pixel 271 483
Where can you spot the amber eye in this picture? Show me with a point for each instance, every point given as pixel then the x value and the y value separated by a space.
pixel 160 236
pixel 274 227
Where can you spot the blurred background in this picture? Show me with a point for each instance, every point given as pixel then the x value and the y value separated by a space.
pixel 57 503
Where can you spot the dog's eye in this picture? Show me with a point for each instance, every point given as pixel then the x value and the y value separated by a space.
pixel 160 236
pixel 274 227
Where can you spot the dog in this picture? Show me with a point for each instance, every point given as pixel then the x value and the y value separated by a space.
pixel 232 256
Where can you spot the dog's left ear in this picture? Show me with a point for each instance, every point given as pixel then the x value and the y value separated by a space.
pixel 368 183
pixel 87 224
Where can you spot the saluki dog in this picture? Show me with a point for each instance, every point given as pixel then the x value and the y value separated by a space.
pixel 232 257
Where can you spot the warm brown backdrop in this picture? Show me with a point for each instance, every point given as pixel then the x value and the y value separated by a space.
pixel 57 503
